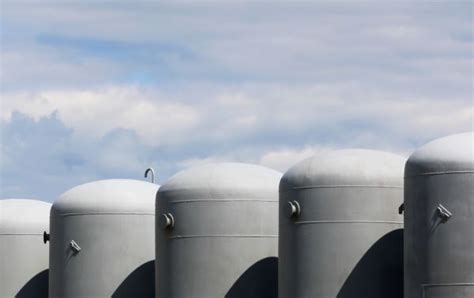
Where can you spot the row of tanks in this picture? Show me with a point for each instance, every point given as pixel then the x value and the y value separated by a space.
pixel 346 223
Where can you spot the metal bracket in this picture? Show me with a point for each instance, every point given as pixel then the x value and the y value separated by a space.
pixel 75 247
pixel 444 212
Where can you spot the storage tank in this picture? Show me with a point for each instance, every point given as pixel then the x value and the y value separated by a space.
pixel 217 232
pixel 23 256
pixel 439 219
pixel 340 230
pixel 102 240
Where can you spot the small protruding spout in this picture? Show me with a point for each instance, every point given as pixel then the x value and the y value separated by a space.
pixel 152 174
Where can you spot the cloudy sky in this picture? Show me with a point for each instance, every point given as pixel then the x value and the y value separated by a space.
pixel 94 90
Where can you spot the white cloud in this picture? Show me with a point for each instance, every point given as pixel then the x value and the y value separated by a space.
pixel 283 159
pixel 158 116
pixel 278 159
pixel 285 42
pixel 31 66
pixel 249 82
pixel 94 113
pixel 193 162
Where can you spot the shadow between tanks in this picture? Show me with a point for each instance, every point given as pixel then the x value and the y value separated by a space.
pixel 36 287
pixel 380 271
pixel 258 281
pixel 139 283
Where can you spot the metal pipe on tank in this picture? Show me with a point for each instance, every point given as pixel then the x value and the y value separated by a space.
pixel 150 170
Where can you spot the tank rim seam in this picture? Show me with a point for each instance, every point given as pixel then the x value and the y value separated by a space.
pixel 21 234
pixel 102 213
pixel 342 186
pixel 347 221
pixel 222 236
pixel 222 200
pixel 439 173
pixel 461 284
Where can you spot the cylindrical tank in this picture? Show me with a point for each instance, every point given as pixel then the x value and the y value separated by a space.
pixel 340 229
pixel 23 255
pixel 217 232
pixel 102 240
pixel 439 219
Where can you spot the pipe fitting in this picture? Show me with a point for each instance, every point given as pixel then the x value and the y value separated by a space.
pixel 152 172
pixel 401 208
pixel 75 247
pixel 46 237
pixel 293 209
pixel 166 221
pixel 444 213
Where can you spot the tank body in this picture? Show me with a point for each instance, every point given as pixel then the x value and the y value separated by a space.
pixel 439 219
pixel 102 240
pixel 223 240
pixel 23 255
pixel 340 229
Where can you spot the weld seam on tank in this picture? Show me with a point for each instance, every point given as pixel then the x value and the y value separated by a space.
pixel 345 186
pixel 105 213
pixel 347 221
pixel 457 284
pixel 222 200
pixel 20 234
pixel 222 236
pixel 440 173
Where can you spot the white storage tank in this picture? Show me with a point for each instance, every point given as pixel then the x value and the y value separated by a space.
pixel 102 240
pixel 217 232
pixel 340 229
pixel 439 219
pixel 23 256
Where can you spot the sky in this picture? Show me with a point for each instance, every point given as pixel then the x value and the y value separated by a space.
pixel 105 89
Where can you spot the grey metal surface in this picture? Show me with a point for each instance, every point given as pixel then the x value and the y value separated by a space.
pixel 102 240
pixel 216 232
pixel 23 256
pixel 340 231
pixel 439 219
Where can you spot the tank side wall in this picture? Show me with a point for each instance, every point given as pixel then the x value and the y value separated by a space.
pixel 23 266
pixel 113 248
pixel 338 239
pixel 214 245
pixel 439 252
